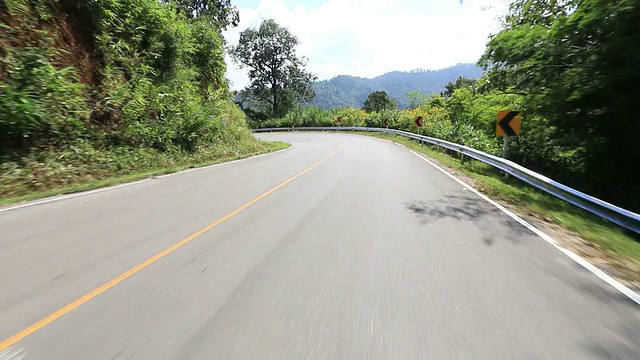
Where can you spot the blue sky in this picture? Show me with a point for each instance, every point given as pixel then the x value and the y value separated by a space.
pixel 370 37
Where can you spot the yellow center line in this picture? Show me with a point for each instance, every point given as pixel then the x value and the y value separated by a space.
pixel 5 344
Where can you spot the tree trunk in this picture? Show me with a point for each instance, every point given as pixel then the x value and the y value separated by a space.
pixel 274 93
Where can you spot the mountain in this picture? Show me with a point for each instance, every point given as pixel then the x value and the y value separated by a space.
pixel 344 90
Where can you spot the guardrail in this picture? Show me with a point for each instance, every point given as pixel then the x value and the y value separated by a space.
pixel 615 214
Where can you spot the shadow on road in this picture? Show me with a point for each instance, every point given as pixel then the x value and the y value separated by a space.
pixel 457 207
pixel 470 208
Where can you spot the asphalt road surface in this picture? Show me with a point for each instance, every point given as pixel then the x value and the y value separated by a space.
pixel 341 247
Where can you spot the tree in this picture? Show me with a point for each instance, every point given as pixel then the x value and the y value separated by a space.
pixel 207 55
pixel 577 66
pixel 278 79
pixel 220 12
pixel 378 101
pixel 417 98
pixel 461 82
pixel 436 101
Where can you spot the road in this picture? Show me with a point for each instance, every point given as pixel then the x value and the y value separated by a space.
pixel 341 247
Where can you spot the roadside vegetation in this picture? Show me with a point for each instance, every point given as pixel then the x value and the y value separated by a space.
pixel 69 171
pixel 99 91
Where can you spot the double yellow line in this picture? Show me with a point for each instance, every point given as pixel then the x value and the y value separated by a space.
pixel 5 344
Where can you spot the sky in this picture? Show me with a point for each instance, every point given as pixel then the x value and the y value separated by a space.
pixel 368 38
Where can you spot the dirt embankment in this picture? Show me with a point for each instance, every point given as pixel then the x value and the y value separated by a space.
pixel 71 38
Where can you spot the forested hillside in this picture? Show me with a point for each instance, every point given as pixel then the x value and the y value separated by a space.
pixel 91 89
pixel 351 91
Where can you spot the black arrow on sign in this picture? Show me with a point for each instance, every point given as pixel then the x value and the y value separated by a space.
pixel 504 123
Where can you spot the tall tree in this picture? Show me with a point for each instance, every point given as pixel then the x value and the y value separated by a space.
pixel 377 101
pixel 278 78
pixel 417 98
pixel 461 82
pixel 577 64
pixel 221 12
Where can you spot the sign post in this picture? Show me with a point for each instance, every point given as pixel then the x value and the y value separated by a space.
pixel 505 147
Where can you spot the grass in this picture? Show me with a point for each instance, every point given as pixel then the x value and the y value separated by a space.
pixel 25 186
pixel 527 200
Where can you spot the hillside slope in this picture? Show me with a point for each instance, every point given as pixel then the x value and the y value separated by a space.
pixel 92 90
pixel 351 91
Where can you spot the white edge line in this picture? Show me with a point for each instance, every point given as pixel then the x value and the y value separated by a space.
pixel 573 256
pixel 113 187
pixel 12 354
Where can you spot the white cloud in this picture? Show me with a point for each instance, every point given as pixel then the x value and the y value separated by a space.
pixel 370 37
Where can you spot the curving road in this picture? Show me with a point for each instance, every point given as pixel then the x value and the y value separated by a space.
pixel 342 247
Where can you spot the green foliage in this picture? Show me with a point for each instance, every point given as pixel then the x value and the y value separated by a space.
pixel 378 101
pixel 351 91
pixel 437 123
pixel 416 99
pixel 279 81
pixel 104 75
pixel 158 83
pixel 460 83
pixel 220 13
pixel 208 56
pixel 85 165
pixel 576 66
pixel 40 100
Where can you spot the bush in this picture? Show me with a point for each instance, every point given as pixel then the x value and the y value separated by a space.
pixel 161 85
pixel 39 99
pixel 437 123
pixel 156 91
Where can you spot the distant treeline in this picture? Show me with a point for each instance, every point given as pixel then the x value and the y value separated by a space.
pixel 351 91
